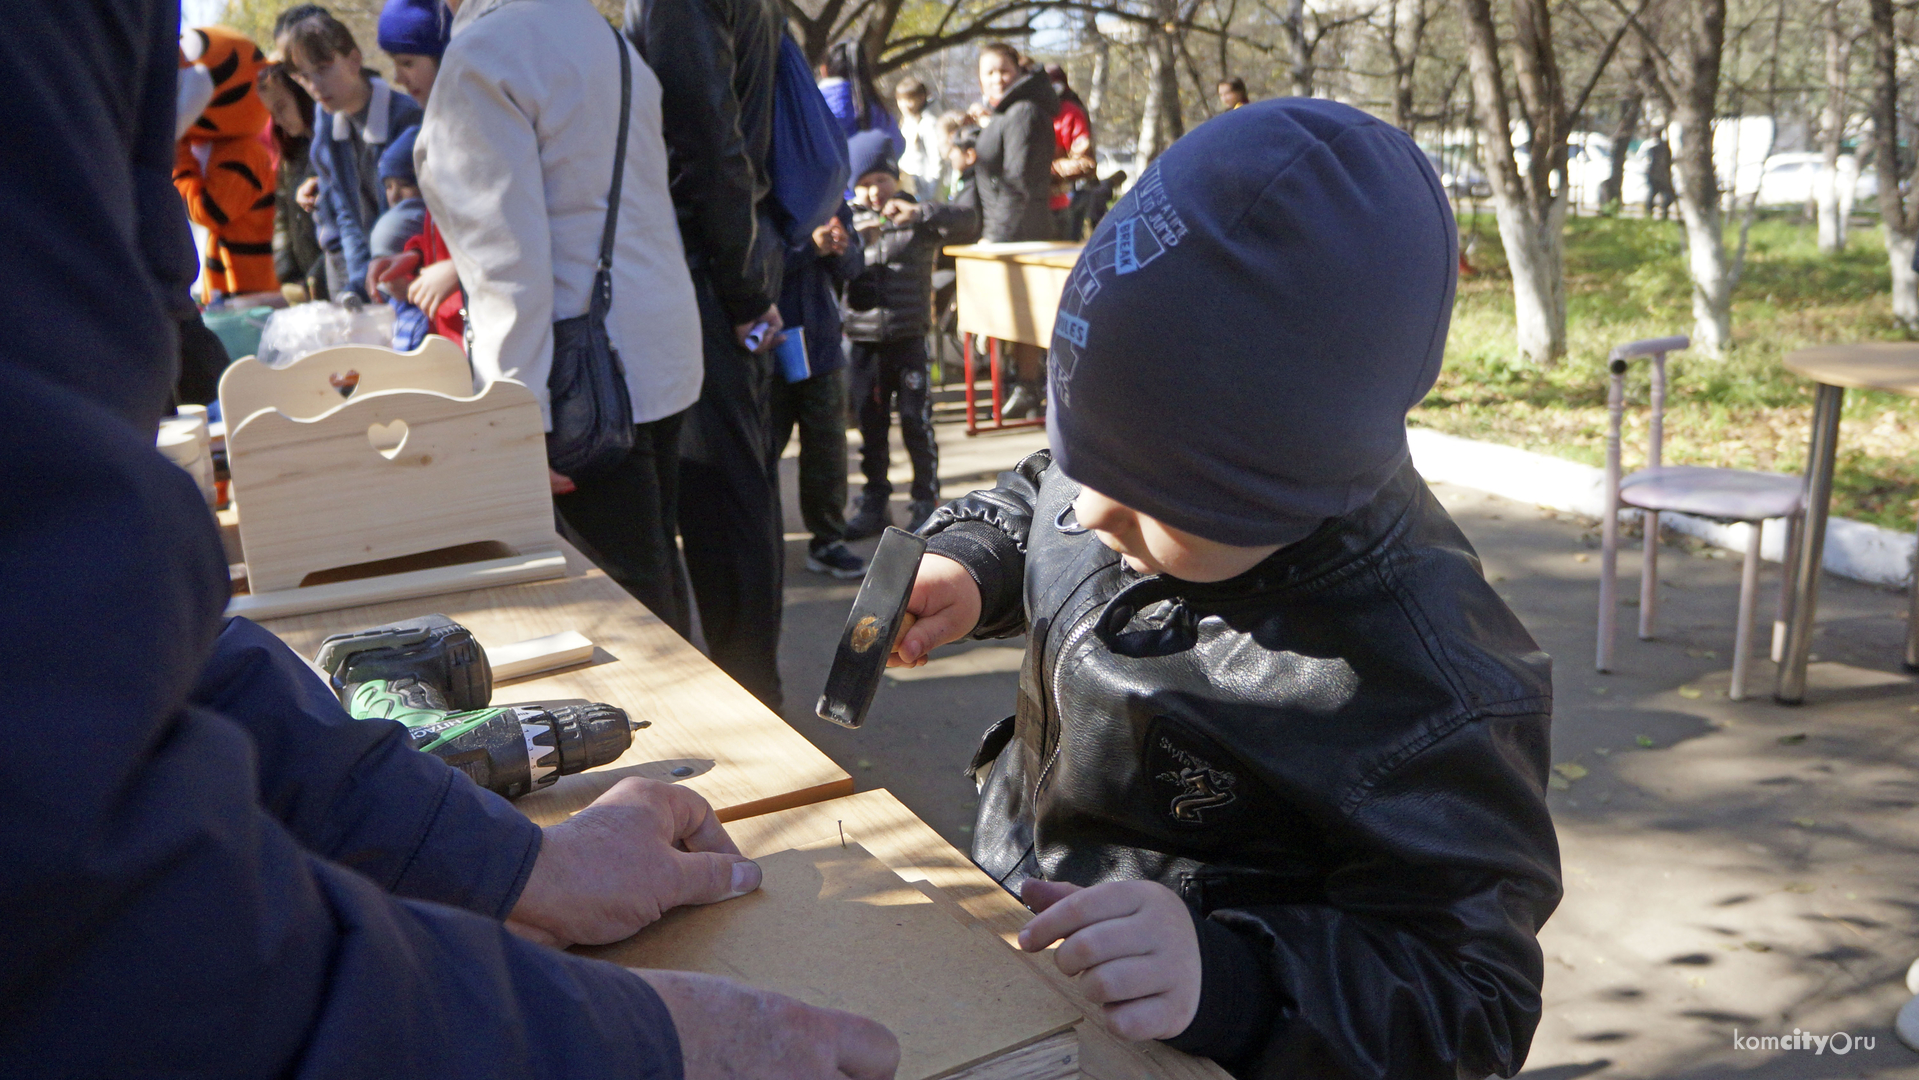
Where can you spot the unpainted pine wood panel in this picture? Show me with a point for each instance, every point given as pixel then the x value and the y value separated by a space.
pixel 735 752
pixel 833 927
pixel 1009 300
pixel 322 493
pixel 304 388
pixel 910 848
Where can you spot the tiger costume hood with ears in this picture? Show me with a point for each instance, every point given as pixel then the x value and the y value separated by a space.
pixel 222 168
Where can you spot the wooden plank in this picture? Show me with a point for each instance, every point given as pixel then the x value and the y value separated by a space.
pixel 833 927
pixel 358 592
pixel 389 474
pixel 1012 291
pixel 534 655
pixel 734 751
pixel 305 388
pixel 910 848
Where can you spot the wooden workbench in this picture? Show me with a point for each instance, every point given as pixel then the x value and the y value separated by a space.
pixel 702 729
pixel 887 829
pixel 1010 292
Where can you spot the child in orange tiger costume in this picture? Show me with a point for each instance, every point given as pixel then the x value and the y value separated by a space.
pixel 223 170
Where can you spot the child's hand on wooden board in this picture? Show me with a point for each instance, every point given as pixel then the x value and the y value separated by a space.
pixel 1132 946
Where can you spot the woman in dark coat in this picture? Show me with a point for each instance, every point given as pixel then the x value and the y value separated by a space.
pixel 1014 175
pixel 1015 170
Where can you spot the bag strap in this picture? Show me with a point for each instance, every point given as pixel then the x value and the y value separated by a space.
pixel 603 277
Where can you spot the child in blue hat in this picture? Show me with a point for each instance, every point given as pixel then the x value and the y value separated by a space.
pixel 1276 780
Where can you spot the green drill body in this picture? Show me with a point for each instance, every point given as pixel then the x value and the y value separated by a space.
pixel 404 672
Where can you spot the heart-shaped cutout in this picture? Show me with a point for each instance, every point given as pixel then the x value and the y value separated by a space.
pixel 387 438
pixel 344 381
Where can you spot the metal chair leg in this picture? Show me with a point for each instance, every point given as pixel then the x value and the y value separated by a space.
pixel 1742 634
pixel 1649 575
pixel 1789 562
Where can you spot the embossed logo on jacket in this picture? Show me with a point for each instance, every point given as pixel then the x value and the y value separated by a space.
pixel 1202 787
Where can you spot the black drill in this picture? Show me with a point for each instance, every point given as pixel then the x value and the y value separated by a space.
pixel 430 675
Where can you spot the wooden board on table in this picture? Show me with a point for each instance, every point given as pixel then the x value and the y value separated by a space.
pixel 702 729
pixel 910 848
pixel 324 378
pixel 1011 291
pixel 833 927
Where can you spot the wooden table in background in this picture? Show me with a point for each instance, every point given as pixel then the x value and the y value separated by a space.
pixel 703 729
pixel 1877 365
pixel 886 828
pixel 1008 292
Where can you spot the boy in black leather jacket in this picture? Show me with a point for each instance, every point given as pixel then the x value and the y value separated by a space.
pixel 888 312
pixel 1276 782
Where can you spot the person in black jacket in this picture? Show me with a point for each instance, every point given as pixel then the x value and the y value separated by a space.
pixel 1277 776
pixel 716 61
pixel 816 274
pixel 208 868
pixel 888 312
pixel 1015 177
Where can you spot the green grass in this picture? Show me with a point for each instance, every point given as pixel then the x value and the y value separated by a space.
pixel 1626 280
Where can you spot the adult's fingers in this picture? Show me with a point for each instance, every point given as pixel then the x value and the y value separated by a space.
pixel 866 1050
pixel 695 826
pixel 708 877
pixel 1080 910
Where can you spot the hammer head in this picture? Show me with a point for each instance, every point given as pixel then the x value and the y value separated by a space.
pixel 872 628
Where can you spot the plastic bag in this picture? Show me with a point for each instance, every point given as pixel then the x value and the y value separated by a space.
pixel 304 328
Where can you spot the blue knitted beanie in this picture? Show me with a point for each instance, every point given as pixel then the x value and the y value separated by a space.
pixel 418 27
pixel 1238 346
pixel 396 161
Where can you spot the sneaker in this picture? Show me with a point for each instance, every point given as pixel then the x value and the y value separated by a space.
pixel 873 518
pixel 834 559
pixel 918 511
pixel 1023 402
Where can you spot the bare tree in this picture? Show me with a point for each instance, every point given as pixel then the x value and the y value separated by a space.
pixel 1162 120
pixel 1632 104
pixel 1404 36
pixel 1896 200
pixel 1832 209
pixel 1531 212
pixel 1689 78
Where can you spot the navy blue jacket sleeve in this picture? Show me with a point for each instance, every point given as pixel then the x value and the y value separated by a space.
pixel 354 791
pixel 162 919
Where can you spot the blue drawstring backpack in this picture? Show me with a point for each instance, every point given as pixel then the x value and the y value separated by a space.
pixel 807 163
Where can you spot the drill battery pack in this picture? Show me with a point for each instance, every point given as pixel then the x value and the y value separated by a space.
pixel 432 648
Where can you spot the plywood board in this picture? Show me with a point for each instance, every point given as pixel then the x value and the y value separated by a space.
pixel 910 848
pixel 1009 300
pixel 306 388
pixel 833 927
pixel 389 474
pixel 702 729
pixel 413 583
pixel 534 655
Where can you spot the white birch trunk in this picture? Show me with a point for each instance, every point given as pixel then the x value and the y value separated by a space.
pixel 1535 252
pixel 1905 283
pixel 1706 259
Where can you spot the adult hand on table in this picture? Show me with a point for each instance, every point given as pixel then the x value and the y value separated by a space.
pixel 944 607
pixel 640 850
pixel 736 1032
pixel 1132 946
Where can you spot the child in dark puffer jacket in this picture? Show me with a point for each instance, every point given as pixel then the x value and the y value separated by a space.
pixel 888 312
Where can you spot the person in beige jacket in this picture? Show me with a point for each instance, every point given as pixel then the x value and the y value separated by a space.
pixel 515 159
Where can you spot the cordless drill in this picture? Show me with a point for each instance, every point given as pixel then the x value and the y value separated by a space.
pixel 431 676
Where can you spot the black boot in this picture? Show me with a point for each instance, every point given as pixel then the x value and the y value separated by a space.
pixel 872 519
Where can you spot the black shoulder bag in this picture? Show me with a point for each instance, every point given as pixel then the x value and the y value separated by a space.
pixel 586 387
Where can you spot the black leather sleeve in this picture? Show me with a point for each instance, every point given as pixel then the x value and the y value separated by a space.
pixel 690 47
pixel 1423 961
pixel 985 531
